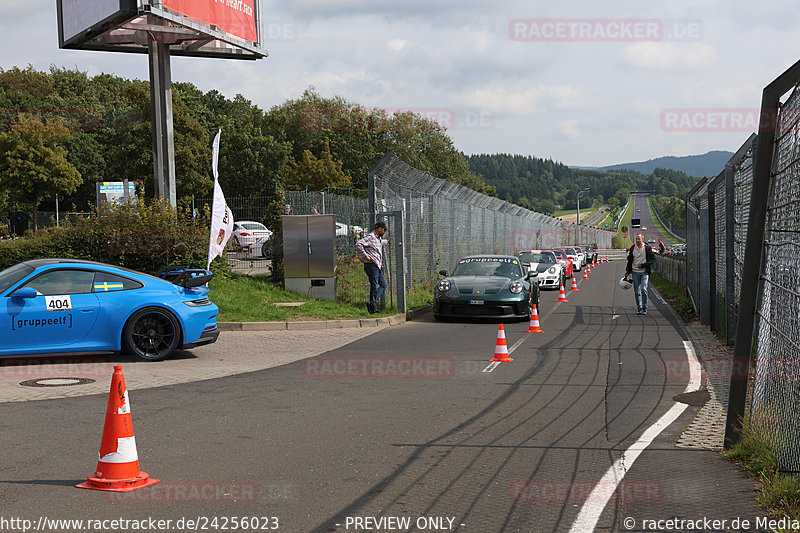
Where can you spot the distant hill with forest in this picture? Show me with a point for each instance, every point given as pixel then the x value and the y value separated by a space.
pixel 706 165
pixel 543 184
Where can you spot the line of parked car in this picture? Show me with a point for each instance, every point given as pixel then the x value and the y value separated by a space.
pixel 506 286
pixel 676 250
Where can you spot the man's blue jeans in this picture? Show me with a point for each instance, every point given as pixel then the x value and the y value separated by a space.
pixel 640 281
pixel 377 283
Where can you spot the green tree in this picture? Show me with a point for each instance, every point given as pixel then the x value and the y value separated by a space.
pixel 32 164
pixel 315 173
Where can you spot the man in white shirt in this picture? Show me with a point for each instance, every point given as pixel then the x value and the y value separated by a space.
pixel 640 263
pixel 370 250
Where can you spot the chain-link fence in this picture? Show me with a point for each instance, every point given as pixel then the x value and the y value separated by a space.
pixel 776 393
pixel 444 221
pixel 720 245
pixel 697 246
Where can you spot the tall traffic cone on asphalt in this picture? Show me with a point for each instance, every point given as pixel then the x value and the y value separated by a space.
pixel 501 348
pixel 534 326
pixel 586 272
pixel 562 296
pixel 574 284
pixel 118 462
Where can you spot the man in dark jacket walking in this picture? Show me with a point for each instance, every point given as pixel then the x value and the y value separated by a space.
pixel 640 264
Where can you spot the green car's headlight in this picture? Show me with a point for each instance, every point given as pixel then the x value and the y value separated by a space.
pixel 516 287
pixel 443 285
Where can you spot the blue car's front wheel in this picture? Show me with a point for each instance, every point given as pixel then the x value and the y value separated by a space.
pixel 151 334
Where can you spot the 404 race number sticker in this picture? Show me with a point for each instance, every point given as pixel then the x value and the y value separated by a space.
pixel 58 303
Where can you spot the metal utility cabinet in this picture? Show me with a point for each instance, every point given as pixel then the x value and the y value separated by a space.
pixel 309 255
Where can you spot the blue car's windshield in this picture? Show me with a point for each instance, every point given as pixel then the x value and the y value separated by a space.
pixel 11 275
pixel 488 266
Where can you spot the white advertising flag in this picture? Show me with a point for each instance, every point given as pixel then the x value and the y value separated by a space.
pixel 221 216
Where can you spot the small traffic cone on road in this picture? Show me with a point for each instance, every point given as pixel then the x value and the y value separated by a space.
pixel 501 348
pixel 118 462
pixel 574 284
pixel 586 272
pixel 562 296
pixel 534 326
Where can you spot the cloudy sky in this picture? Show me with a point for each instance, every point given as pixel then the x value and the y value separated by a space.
pixel 583 82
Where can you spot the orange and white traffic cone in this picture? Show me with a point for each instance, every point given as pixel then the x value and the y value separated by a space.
pixel 574 284
pixel 562 296
pixel 586 272
pixel 534 326
pixel 118 462
pixel 501 348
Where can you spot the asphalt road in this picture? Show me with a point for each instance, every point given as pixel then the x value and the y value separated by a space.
pixel 647 219
pixel 403 423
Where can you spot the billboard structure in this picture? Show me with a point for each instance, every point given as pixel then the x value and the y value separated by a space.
pixel 200 28
pixel 109 192
pixel 227 29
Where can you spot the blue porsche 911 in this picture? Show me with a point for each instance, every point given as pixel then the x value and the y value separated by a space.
pixel 68 305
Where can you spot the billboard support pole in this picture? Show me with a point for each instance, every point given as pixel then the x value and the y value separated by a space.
pixel 163 130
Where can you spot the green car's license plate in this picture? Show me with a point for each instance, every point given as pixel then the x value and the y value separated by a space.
pixel 476 302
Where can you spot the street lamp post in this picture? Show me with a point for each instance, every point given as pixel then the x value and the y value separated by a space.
pixel 579 210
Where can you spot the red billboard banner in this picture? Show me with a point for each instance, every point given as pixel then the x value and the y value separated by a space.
pixel 236 17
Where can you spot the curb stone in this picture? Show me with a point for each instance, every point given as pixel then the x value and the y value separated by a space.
pixel 320 324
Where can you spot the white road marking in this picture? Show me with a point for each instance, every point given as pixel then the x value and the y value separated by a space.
pixel 590 512
pixel 658 295
pixel 491 366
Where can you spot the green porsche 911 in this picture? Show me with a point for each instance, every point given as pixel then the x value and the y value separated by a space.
pixel 491 286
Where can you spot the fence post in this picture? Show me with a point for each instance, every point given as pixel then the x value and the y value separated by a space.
pixel 431 237
pixel 712 258
pixel 730 299
pixel 400 270
pixel 453 257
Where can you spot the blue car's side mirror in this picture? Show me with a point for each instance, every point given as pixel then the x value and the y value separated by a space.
pixel 25 292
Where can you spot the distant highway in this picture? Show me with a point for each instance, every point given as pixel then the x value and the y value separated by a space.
pixel 641 210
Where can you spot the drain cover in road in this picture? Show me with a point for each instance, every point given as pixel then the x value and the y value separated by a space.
pixel 55 382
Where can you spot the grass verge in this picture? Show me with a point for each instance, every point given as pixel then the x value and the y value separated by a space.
pixel 779 493
pixel 420 296
pixel 243 298
pixel 674 294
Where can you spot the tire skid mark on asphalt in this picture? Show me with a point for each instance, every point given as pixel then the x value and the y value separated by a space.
pixel 495 364
pixel 596 501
